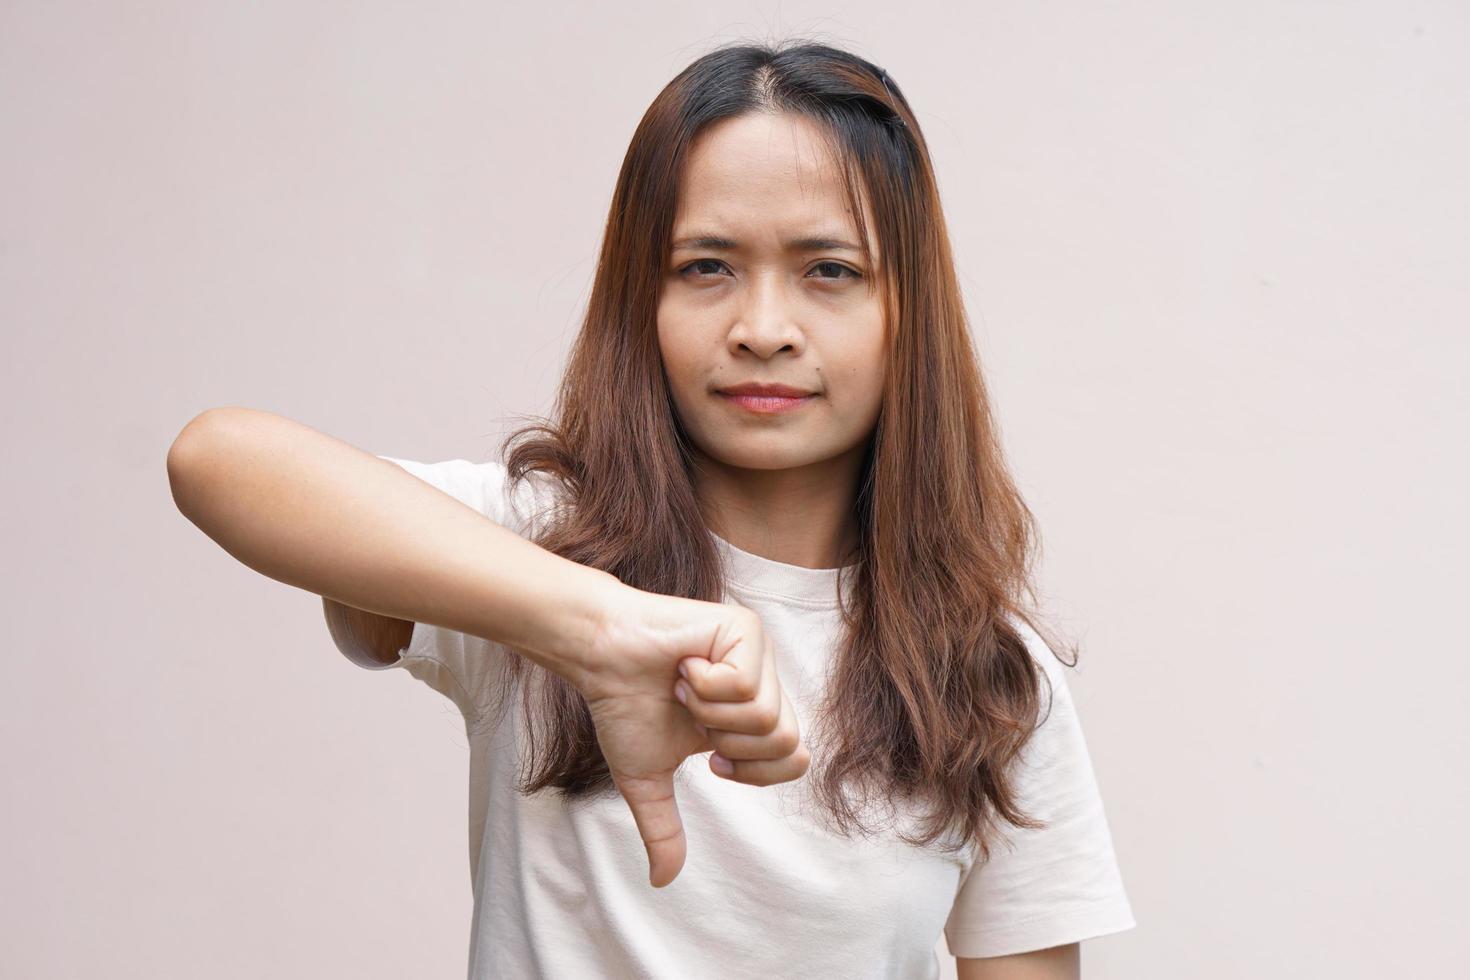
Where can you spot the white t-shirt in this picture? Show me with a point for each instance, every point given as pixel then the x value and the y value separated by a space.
pixel 766 891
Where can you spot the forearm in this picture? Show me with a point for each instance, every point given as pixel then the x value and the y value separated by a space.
pixel 312 511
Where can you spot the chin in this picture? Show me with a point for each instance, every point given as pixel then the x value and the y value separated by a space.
pixel 765 457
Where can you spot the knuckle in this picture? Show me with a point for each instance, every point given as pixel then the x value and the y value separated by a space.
pixel 788 741
pixel 760 777
pixel 746 687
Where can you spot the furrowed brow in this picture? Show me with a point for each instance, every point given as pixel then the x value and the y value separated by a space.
pixel 825 242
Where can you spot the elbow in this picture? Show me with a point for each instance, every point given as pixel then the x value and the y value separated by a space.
pixel 189 452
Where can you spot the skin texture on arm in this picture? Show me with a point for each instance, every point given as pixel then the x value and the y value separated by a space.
pixel 386 550
pixel 312 511
pixel 1056 963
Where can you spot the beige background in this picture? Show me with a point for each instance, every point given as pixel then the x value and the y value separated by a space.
pixel 1216 259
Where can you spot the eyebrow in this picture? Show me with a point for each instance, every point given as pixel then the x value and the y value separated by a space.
pixel 822 242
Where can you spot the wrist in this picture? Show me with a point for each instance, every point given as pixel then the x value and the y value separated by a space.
pixel 568 640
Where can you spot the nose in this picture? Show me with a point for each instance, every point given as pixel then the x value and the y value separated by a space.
pixel 765 324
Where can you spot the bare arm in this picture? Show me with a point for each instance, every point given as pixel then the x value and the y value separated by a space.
pixel 312 511
pixel 1056 963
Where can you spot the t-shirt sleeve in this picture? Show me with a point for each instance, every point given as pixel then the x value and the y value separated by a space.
pixel 1059 884
pixel 467 669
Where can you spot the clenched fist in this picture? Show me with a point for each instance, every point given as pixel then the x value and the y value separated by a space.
pixel 649 718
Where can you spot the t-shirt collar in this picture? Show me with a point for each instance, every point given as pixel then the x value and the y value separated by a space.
pixel 757 574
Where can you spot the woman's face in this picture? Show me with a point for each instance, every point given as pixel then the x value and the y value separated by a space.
pixel 763 306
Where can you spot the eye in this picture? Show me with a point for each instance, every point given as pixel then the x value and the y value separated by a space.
pixel 684 271
pixel 837 271
pixel 851 273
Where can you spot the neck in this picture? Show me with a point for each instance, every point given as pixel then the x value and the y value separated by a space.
pixel 798 516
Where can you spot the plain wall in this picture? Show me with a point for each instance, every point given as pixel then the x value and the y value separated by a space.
pixel 1215 257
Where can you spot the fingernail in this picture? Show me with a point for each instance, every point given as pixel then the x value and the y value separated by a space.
pixel 700 729
pixel 679 692
pixel 683 669
pixel 720 764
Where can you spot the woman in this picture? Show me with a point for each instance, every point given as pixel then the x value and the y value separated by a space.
pixel 771 522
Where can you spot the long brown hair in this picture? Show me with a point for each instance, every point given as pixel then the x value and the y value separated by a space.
pixel 933 692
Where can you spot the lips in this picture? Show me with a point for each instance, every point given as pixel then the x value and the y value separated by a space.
pixel 766 391
pixel 767 404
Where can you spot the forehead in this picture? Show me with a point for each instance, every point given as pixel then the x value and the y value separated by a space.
pixel 762 173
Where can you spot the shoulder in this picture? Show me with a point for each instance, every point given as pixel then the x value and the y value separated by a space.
pixel 1053 668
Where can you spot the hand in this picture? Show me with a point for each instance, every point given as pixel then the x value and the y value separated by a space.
pixel 645 733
